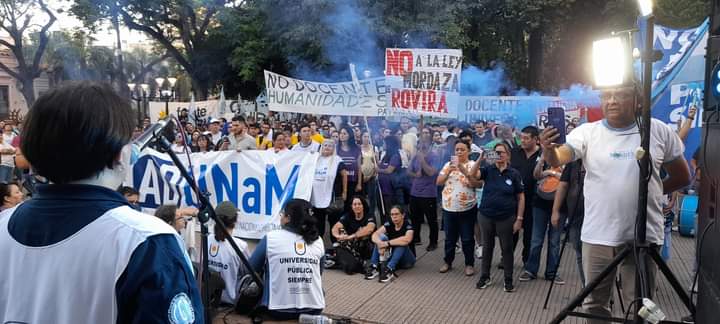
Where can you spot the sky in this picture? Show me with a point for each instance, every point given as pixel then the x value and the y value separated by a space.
pixel 105 35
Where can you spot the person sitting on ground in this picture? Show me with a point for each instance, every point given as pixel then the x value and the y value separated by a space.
pixel 291 261
pixel 11 195
pixel 132 196
pixel 221 256
pixel 392 238
pixel 353 232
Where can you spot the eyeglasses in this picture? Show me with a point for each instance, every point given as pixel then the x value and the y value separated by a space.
pixel 500 152
pixel 619 94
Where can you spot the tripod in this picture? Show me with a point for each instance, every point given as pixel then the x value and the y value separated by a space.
pixel 552 282
pixel 641 249
pixel 206 213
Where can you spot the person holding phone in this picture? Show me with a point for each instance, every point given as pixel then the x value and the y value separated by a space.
pixel 501 213
pixel 459 205
pixel 608 150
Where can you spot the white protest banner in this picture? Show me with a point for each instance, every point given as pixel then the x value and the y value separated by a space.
pixel 257 182
pixel 286 94
pixel 424 81
pixel 518 111
pixel 204 110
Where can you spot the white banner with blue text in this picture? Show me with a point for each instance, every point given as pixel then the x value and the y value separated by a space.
pixel 258 183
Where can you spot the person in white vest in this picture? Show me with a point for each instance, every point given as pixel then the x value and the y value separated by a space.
pixel 291 260
pixel 222 257
pixel 77 252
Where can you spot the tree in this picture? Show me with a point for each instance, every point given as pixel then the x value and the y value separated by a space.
pixel 17 19
pixel 181 27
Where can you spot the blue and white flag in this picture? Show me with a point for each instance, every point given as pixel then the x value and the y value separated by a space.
pixel 679 77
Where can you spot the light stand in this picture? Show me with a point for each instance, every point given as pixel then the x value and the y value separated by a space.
pixel 641 247
pixel 206 212
pixel 138 96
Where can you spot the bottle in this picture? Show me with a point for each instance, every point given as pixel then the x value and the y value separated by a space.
pixel 314 319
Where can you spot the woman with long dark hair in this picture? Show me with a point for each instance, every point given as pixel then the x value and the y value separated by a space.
pixel 221 255
pixel 290 259
pixel 350 153
pixel 204 144
pixel 389 168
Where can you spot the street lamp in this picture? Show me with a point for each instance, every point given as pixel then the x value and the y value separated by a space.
pixel 166 94
pixel 139 96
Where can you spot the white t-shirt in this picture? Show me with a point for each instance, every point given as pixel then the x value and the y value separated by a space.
pixel 314 147
pixel 224 260
pixel 294 271
pixel 322 187
pixel 7 159
pixel 611 181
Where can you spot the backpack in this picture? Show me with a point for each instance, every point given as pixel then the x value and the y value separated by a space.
pixel 548 185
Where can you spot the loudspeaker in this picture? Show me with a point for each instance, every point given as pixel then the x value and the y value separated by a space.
pixel 712 55
pixel 708 230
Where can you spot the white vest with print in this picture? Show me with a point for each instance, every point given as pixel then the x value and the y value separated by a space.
pixel 294 268
pixel 72 281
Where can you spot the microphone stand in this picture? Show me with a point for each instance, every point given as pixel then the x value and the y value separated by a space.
pixel 206 212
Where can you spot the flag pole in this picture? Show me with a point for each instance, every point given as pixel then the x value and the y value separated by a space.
pixel 356 84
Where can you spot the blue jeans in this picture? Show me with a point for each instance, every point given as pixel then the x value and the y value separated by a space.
pixel 460 225
pixel 667 243
pixel 541 226
pixel 399 256
pixel 6 173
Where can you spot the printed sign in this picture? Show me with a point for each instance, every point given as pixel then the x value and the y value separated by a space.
pixel 424 81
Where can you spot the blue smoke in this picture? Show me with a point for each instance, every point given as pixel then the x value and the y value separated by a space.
pixel 477 82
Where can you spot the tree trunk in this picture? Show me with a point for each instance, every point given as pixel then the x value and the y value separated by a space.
pixel 200 88
pixel 535 58
pixel 27 88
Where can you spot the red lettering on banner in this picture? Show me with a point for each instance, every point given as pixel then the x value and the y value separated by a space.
pixel 431 101
pixel 398 62
pixel 423 100
pixel 442 106
pixel 395 102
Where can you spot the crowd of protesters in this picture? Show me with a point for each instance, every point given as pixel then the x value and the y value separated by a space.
pixel 472 181
pixel 430 172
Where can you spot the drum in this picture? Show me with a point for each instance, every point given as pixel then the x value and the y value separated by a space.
pixel 688 215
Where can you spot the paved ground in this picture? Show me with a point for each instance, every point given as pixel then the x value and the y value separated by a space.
pixel 422 295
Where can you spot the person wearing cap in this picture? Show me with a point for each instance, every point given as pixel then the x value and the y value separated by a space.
pixel 222 257
pixel 215 133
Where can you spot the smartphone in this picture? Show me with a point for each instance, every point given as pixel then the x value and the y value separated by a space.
pixel 556 118
pixel 454 160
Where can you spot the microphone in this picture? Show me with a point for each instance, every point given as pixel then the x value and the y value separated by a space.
pixel 164 127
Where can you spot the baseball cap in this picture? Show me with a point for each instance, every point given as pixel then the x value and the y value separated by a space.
pixel 214 120
pixel 225 208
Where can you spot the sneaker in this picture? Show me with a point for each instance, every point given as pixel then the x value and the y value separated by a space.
pixel 445 268
pixel 469 271
pixel 559 280
pixel 371 273
pixel 458 249
pixel 526 276
pixel 329 263
pixel 388 275
pixel 431 247
pixel 478 251
pixel 509 287
pixel 688 319
pixel 483 283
